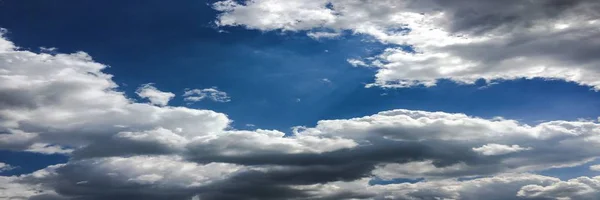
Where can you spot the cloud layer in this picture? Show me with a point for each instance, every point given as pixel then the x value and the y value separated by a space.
pixel 463 40
pixel 123 149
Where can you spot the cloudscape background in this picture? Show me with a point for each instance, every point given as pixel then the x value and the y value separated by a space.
pixel 300 99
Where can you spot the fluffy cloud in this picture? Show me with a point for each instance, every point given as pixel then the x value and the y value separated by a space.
pixel 583 188
pixel 122 149
pixel 155 96
pixel 11 189
pixel 145 177
pixel 442 143
pixel 462 40
pixel 213 94
pixel 66 100
pixel 501 187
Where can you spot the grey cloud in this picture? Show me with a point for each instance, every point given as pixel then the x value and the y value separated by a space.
pixel 141 177
pixel 13 98
pixel 485 16
pixel 122 148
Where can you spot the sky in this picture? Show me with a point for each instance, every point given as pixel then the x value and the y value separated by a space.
pixel 299 99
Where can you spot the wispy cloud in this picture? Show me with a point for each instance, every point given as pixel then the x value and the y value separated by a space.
pixel 195 95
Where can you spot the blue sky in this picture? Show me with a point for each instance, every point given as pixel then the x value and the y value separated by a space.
pixel 276 78
pixel 264 72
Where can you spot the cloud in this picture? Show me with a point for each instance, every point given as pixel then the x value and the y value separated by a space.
pixel 500 187
pixel 357 63
pixel 51 49
pixel 122 149
pixel 11 189
pixel 48 149
pixel 155 96
pixel 583 188
pixel 498 149
pixel 462 41
pixel 595 167
pixel 48 102
pixel 138 177
pixel 319 35
pixel 172 178
pixel 213 94
pixel 5 167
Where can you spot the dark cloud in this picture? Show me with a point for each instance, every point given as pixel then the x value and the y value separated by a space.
pixel 120 147
pixel 481 17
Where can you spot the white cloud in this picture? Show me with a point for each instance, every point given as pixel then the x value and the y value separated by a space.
pixel 357 63
pixel 48 149
pixel 277 14
pixel 5 167
pixel 501 187
pixel 12 189
pixel 595 167
pixel 213 94
pixel 552 144
pixel 258 142
pixel 155 96
pixel 147 178
pixel 319 35
pixel 584 188
pixel 51 49
pixel 461 40
pixel 66 100
pixel 416 170
pixel 498 149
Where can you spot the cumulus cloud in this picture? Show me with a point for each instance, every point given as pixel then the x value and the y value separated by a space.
pixel 52 101
pixel 155 96
pixel 122 149
pixel 500 187
pixel 11 189
pixel 584 188
pixel 462 41
pixel 146 177
pixel 213 94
